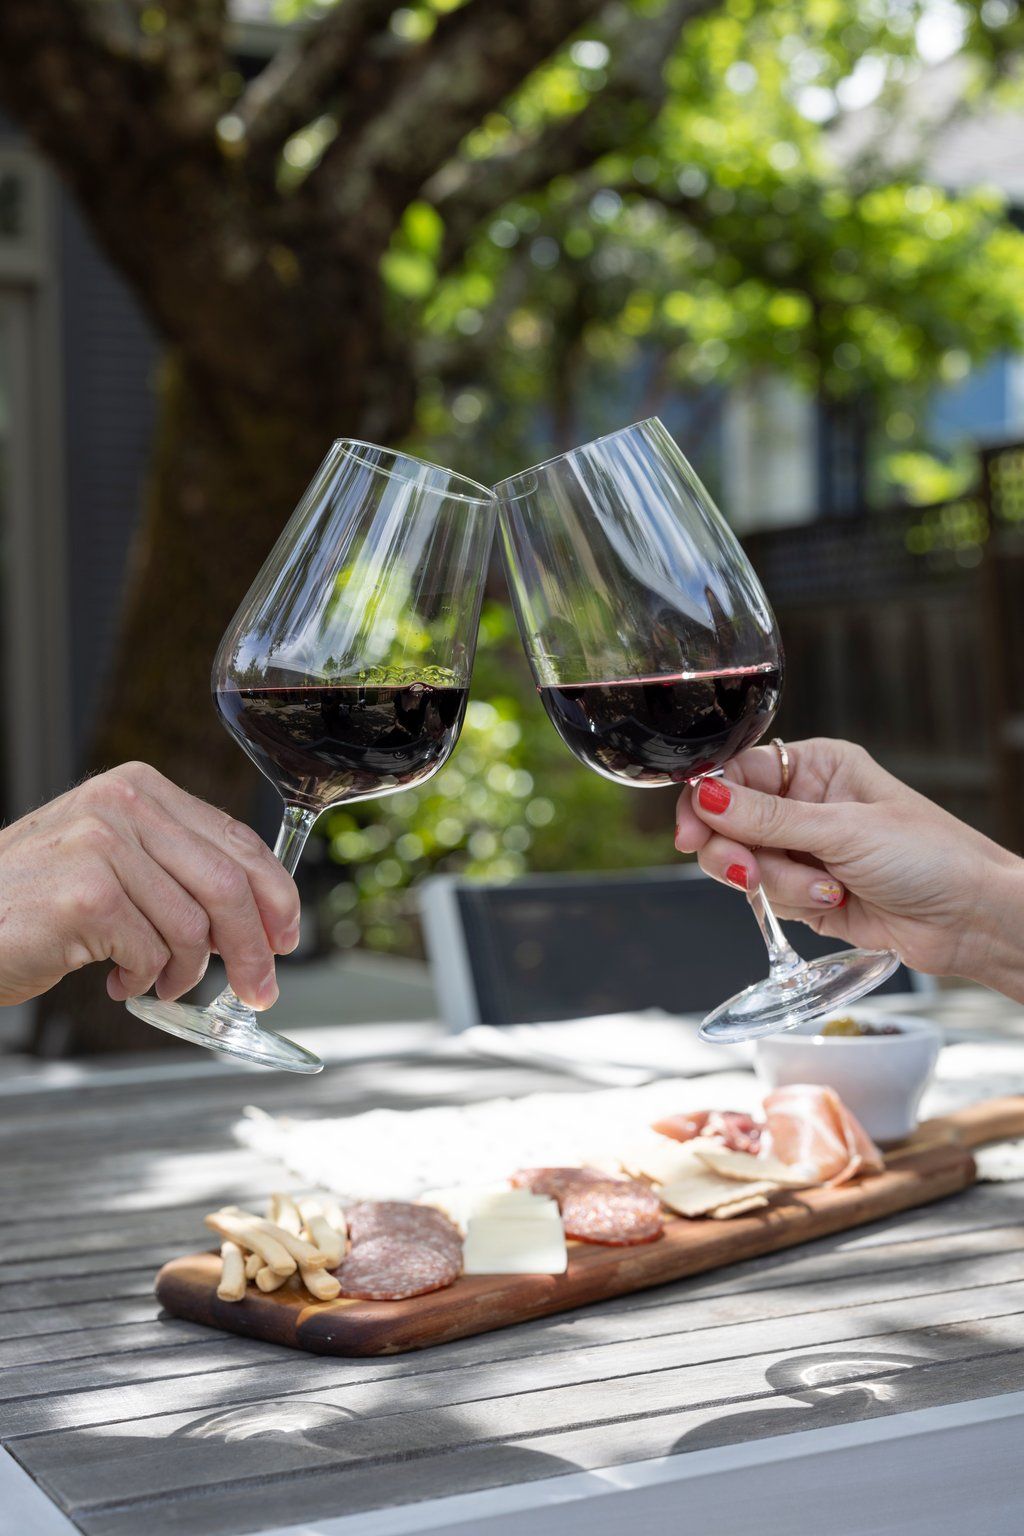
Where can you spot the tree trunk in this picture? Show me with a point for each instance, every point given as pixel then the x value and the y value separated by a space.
pixel 226 475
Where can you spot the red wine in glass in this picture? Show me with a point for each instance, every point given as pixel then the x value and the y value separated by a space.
pixel 322 743
pixel 652 731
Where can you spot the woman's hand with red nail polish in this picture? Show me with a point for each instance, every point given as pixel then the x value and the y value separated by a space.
pixel 860 856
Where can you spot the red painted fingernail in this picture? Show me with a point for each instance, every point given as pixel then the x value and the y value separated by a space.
pixel 713 796
pixel 843 902
pixel 737 875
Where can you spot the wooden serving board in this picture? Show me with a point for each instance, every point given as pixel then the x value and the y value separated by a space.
pixel 935 1162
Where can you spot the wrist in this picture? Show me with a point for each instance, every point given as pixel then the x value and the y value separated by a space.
pixel 993 949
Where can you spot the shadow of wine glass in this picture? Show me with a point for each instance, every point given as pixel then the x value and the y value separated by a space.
pixel 834 1387
pixel 311 1433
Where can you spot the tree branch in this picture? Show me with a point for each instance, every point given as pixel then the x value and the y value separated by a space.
pixel 475 58
pixel 300 81
pixel 466 192
pixel 70 81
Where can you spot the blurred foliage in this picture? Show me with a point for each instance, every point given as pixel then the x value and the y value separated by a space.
pixel 725 236
pixel 921 478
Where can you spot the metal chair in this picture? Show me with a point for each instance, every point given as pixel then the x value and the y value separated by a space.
pixel 567 946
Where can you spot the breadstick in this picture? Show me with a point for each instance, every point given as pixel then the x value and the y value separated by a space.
pixel 319 1283
pixel 232 1273
pixel 328 1208
pixel 284 1213
pixel 326 1239
pixel 246 1232
pixel 253 1265
pixel 300 1250
pixel 268 1281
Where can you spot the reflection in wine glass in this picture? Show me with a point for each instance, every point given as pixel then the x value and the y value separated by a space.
pixel 345 672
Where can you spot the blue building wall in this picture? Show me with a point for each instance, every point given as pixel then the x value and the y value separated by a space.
pixel 978 409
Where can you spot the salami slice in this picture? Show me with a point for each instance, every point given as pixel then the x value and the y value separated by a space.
pixel 612 1211
pixel 555 1182
pixel 391 1268
pixel 399 1250
pixel 400 1218
pixel 595 1207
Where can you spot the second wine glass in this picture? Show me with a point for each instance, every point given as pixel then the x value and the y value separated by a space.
pixel 345 672
pixel 657 658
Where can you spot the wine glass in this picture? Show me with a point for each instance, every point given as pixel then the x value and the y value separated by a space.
pixel 657 658
pixel 345 672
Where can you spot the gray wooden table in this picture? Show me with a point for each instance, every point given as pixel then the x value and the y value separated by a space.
pixel 871 1382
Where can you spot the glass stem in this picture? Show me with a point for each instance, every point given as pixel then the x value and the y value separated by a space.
pixel 783 959
pixel 296 825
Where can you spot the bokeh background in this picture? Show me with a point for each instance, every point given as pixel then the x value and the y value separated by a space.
pixel 488 231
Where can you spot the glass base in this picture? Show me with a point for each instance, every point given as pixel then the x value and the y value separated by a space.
pixel 814 988
pixel 232 1037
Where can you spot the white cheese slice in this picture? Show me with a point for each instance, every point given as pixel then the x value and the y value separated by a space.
pixel 465 1201
pixel 515 1245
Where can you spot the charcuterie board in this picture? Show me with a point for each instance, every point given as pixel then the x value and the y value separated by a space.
pixel 934 1163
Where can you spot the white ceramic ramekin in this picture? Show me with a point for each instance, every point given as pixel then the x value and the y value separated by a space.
pixel 879 1077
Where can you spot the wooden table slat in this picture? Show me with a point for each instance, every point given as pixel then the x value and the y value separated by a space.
pixel 179 1454
pixel 255 1503
pixel 135 1423
pixel 725 1327
pixel 696 1359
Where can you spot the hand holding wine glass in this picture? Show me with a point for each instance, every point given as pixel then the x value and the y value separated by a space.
pixel 858 855
pixel 345 672
pixel 657 658
pixel 128 867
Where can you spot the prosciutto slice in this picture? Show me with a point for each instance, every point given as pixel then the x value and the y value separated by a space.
pixel 809 1126
pixel 738 1132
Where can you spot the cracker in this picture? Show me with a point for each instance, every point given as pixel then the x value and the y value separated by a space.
pixel 698 1194
pixel 744 1167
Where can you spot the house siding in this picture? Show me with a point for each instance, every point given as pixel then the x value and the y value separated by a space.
pixel 110 358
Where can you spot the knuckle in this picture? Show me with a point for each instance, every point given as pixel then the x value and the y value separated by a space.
pixel 192 928
pixel 227 881
pixel 78 955
pixel 136 773
pixel 285 898
pixel 159 955
pixel 768 815
pixel 149 960
pixel 94 835
pixel 120 790
pixel 857 756
pixel 243 836
pixel 89 900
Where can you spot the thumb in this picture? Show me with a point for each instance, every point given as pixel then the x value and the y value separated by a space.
pixel 766 821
